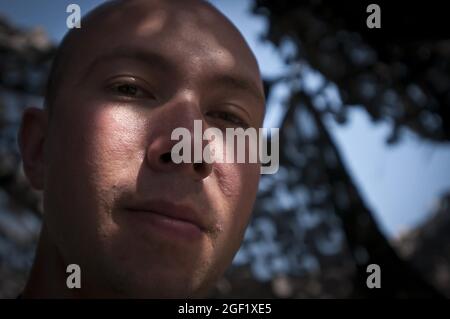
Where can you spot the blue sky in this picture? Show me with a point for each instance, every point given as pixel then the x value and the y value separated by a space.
pixel 401 183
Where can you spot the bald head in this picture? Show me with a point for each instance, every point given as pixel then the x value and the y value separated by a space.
pixel 137 223
pixel 113 24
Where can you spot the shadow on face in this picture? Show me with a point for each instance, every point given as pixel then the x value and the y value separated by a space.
pixel 138 224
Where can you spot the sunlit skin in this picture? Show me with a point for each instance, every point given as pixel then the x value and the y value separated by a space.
pixel 137 70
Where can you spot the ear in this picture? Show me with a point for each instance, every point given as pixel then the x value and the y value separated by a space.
pixel 32 136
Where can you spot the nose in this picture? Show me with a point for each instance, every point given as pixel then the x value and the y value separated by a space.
pixel 179 114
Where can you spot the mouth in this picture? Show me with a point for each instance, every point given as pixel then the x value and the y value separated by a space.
pixel 167 219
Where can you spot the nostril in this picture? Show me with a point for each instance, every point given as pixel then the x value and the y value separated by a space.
pixel 166 158
pixel 203 169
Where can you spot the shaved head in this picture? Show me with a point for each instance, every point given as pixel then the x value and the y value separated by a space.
pixel 138 224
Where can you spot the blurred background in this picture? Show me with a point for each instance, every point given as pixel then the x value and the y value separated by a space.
pixel 364 118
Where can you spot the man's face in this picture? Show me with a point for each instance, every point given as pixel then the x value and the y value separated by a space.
pixel 136 75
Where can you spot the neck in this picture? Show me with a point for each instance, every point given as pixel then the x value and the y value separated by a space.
pixel 48 276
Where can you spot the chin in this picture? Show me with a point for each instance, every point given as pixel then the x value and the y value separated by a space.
pixel 160 284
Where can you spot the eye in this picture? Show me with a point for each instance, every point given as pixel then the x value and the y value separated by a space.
pixel 131 90
pixel 229 118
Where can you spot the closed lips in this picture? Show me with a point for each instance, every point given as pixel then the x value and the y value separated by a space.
pixel 177 212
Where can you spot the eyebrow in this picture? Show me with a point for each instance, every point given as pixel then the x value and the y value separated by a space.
pixel 154 59
pixel 238 82
pixel 148 57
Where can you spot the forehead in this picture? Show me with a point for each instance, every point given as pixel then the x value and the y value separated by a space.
pixel 195 37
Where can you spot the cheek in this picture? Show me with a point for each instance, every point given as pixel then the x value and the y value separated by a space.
pixel 91 154
pixel 238 184
pixel 233 189
pixel 115 144
pixel 95 151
